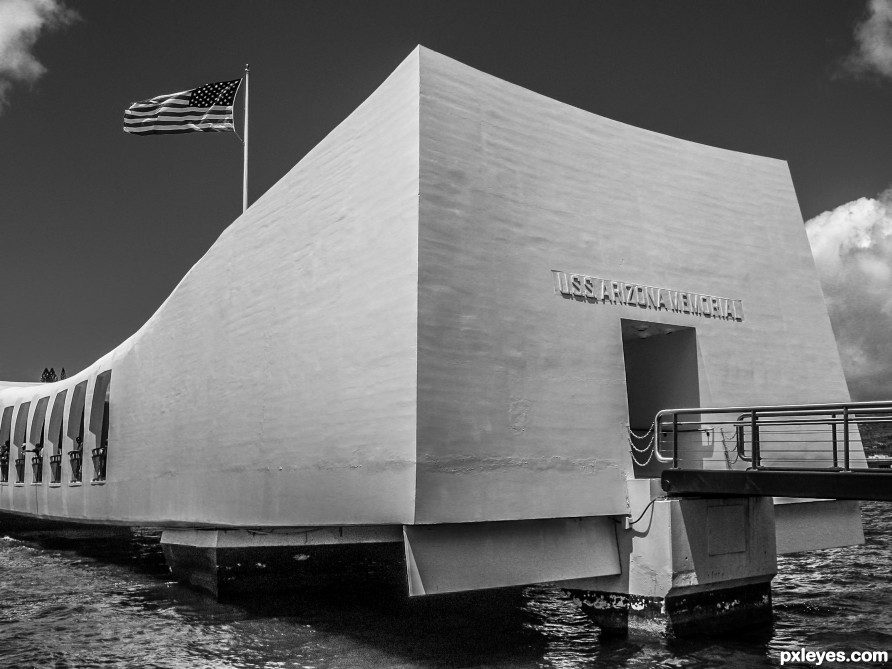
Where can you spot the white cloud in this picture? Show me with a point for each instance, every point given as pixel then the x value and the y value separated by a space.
pixel 21 23
pixel 872 54
pixel 852 246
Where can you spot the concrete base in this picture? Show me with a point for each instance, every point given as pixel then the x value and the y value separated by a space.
pixel 709 612
pixel 689 566
pixel 228 563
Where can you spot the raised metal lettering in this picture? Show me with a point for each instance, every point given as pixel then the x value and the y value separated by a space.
pixel 561 285
pixel 617 292
pixel 589 285
pixel 673 300
pixel 647 297
pixel 704 305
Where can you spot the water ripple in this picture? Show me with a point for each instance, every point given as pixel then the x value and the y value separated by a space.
pixel 112 604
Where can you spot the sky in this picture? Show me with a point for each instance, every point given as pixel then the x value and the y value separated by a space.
pixel 99 226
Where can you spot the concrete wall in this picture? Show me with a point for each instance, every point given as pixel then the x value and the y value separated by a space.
pixel 522 388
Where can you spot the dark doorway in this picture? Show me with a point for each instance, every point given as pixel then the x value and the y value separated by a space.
pixel 661 373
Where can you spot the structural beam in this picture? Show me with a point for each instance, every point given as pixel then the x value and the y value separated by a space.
pixel 863 485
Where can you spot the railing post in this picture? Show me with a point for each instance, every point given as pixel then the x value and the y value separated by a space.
pixel 845 437
pixel 835 446
pixel 674 441
pixel 757 457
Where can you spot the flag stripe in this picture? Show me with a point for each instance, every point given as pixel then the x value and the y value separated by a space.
pixel 162 100
pixel 149 105
pixel 174 111
pixel 162 124
pixel 154 110
pixel 194 116
pixel 190 121
pixel 177 130
pixel 174 121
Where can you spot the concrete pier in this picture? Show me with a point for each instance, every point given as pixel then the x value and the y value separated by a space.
pixel 234 562
pixel 712 611
pixel 688 566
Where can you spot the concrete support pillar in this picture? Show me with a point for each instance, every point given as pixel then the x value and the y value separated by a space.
pixel 232 562
pixel 688 566
pixel 194 563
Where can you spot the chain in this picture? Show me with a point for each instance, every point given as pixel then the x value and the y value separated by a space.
pixel 641 436
pixel 642 449
pixel 649 446
pixel 642 464
pixel 650 436
pixel 728 459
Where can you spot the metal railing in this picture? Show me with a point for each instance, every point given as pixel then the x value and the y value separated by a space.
pixel 801 437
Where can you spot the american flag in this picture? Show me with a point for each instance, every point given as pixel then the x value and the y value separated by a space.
pixel 207 108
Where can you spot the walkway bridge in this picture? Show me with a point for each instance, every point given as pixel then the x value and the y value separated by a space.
pixel 803 450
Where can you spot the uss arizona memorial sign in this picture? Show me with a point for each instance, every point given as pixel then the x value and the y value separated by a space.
pixel 594 289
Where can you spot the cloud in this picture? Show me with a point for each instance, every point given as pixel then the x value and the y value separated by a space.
pixel 21 23
pixel 852 247
pixel 872 54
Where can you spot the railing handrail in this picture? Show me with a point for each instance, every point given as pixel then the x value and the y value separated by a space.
pixel 781 419
pixel 754 417
pixel 780 408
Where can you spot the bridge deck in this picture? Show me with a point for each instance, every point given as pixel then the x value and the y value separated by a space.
pixel 806 450
pixel 867 484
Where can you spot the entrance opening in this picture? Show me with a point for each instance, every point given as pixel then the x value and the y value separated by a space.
pixel 661 373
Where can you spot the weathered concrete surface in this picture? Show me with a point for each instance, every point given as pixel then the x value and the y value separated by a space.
pixel 717 611
pixel 811 525
pixel 472 556
pixel 521 386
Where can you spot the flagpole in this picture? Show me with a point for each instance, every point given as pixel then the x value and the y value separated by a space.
pixel 245 174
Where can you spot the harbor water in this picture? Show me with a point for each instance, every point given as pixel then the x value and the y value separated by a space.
pixel 111 603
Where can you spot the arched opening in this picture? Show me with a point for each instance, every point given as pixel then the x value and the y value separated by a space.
pixel 20 441
pixel 99 423
pixel 57 434
pixel 76 431
pixel 38 439
pixel 37 458
pixel 5 436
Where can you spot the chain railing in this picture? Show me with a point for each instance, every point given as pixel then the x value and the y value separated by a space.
pixel 641 445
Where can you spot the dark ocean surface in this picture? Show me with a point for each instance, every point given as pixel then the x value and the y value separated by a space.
pixel 111 603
